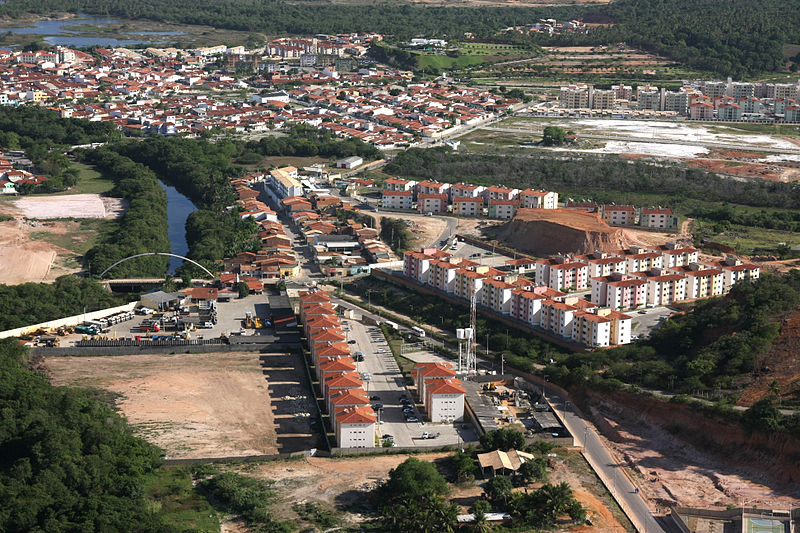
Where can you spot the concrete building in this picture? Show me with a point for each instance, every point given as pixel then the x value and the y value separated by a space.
pixel 444 401
pixel 432 203
pixel 397 199
pixel 355 427
pixel 575 97
pixel 676 101
pixel 467 206
pixel 398 184
pixel 503 209
pixel 619 215
pixel 532 199
pixel 658 218
pixel 604 99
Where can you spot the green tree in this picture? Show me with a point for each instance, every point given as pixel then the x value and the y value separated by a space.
pixel 464 465
pixel 498 489
pixel 535 470
pixel 502 439
pixel 554 136
pixel 243 289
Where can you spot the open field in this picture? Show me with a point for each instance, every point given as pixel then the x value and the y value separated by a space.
pixel 69 206
pixel 203 405
pixel 90 181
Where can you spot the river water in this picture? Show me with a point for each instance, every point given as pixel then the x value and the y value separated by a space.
pixel 55 33
pixel 178 210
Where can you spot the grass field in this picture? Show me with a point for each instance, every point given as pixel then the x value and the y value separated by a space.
pixel 746 239
pixel 174 497
pixel 447 62
pixel 81 235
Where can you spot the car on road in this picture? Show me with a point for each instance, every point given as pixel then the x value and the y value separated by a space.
pixel 353 341
pixel 643 312
pixel 359 358
pixel 388 437
pixel 412 419
pixel 375 397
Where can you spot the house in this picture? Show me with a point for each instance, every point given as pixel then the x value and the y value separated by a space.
pixel 349 162
pixel 503 462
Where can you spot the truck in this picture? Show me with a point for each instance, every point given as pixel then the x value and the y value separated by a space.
pixel 248 320
pixel 392 325
pixel 87 329
pixel 426 435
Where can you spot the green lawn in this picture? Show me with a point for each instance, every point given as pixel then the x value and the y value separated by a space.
pixel 90 182
pixel 447 62
pixel 746 239
pixel 173 496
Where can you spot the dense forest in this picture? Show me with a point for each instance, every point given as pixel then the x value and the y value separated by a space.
pixel 31 303
pixel 595 176
pixel 143 227
pixel 38 131
pixel 67 461
pixel 734 38
pixel 307 141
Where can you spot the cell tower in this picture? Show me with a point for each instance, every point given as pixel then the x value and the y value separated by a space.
pixel 467 360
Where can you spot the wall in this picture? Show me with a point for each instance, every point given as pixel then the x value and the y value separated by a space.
pixel 68 321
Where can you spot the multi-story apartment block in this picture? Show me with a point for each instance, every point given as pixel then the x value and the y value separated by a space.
pixel 660 218
pixel 467 206
pixel 425 373
pixel 673 256
pixel 416 265
pixel 432 203
pixel 444 401
pixel 496 295
pixel 397 199
pixel 714 89
pixel 701 282
pixel 729 112
pixel 398 184
pixel 503 209
pixel 575 97
pixel 664 288
pixel 604 99
pixel 591 329
pixel 465 190
pixel 701 111
pixel 600 264
pixel 742 89
pixel 432 188
pixel 734 271
pixel 649 99
pixel 791 113
pixel 499 193
pixel 442 274
pixel 639 259
pixel 532 199
pixel 619 215
pixel 355 427
pixel 557 317
pixel 676 101
pixel 282 184
pixel 622 92
pixel 562 273
pixel 750 106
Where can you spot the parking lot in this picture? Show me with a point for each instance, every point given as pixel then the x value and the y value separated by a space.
pixel 387 385
pixel 645 320
pixel 479 255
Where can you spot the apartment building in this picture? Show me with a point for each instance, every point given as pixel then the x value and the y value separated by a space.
pixel 649 99
pixel 619 215
pixel 701 281
pixel 442 275
pixel 467 206
pixel 532 199
pixel 604 99
pixel 701 111
pixel 444 401
pixel 562 273
pixel 622 92
pixel 591 329
pixel 465 190
pixel 432 188
pixel 397 199
pixel 503 209
pixel 729 112
pixel 673 256
pixel 602 264
pixel 496 192
pixel 734 271
pixel 497 295
pixel 355 427
pixel 282 184
pixel 432 203
pixel 398 184
pixel 575 97
pixel 658 218
pixel 664 288
pixel 677 102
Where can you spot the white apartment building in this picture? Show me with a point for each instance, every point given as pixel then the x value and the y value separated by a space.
pixel 397 199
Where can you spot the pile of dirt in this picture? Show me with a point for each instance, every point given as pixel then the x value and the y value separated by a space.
pixel 552 231
pixel 781 365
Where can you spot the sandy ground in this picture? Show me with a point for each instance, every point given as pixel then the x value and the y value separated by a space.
pixel 69 206
pixel 23 259
pixel 425 230
pixel 195 405
pixel 667 470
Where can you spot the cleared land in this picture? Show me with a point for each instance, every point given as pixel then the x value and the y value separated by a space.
pixel 203 405
pixel 69 206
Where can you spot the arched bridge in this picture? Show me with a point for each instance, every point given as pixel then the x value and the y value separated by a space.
pixel 103 273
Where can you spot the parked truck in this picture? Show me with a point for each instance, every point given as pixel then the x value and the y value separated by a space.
pixel 248 320
pixel 87 329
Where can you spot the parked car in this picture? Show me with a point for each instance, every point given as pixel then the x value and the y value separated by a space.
pixel 351 341
pixel 412 419
pixel 375 397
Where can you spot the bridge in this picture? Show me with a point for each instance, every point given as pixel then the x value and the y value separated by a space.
pixel 124 283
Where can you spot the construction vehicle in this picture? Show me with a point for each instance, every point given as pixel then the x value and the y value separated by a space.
pixel 258 323
pixel 248 320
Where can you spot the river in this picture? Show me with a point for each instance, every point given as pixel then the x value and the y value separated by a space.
pixel 57 32
pixel 178 210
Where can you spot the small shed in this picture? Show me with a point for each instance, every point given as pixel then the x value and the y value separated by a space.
pixel 161 300
pixel 503 461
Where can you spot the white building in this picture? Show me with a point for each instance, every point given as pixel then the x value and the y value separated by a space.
pixel 355 427
pixel 397 199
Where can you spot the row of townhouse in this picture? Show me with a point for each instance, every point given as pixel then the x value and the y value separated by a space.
pixel 463 198
pixel 440 391
pixel 352 418
pixel 534 304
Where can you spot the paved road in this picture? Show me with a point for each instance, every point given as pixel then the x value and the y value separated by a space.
pixel 607 467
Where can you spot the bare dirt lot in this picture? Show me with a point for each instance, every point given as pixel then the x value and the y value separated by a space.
pixel 69 206
pixel 344 483
pixel 203 405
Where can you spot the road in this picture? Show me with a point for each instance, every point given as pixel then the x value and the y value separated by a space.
pixel 607 467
